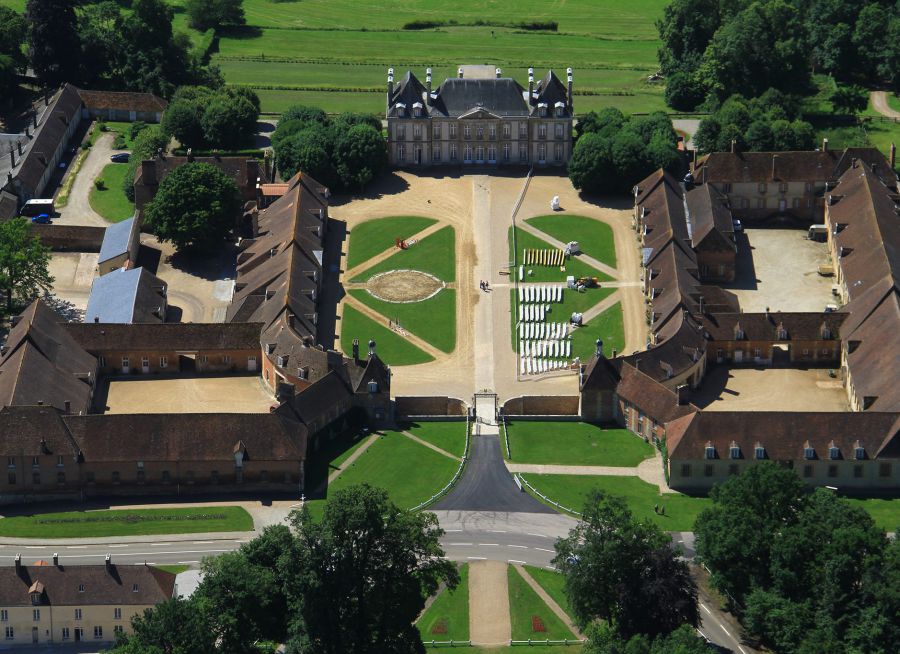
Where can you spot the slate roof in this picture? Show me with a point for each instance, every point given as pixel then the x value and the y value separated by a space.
pixel 784 434
pixel 132 295
pixel 116 239
pixel 122 101
pixel 551 90
pixel 710 217
pixel 407 92
pixel 165 337
pixel 9 203
pixel 102 586
pixel 502 97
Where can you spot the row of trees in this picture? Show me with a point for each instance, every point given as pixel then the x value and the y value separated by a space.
pixel 99 45
pixel 24 265
pixel 808 572
pixel 344 153
pixel 211 14
pixel 614 152
pixel 712 49
pixel 12 56
pixel 200 117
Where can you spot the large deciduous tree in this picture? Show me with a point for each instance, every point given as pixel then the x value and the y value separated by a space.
pixel 202 117
pixel 625 572
pixel 24 263
pixel 196 206
pixel 176 626
pixel 206 14
pixel 53 40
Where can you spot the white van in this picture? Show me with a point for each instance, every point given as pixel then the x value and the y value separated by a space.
pixel 37 207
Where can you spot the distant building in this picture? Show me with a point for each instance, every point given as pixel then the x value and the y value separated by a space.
pixel 122 106
pixel 479 118
pixel 127 296
pixel 53 603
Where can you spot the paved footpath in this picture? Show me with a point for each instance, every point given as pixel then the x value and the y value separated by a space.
pixel 489 622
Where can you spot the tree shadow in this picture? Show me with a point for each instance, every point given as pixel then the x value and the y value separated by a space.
pixel 387 184
pixel 211 267
pixel 241 32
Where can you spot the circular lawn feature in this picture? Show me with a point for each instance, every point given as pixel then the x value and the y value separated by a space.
pixel 404 286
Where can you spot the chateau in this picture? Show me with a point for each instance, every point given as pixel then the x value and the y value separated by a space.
pixel 479 118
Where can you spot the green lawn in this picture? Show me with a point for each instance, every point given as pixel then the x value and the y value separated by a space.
pixel 408 471
pixel 331 453
pixel 893 101
pixel 525 240
pixel 531 618
pixel 375 236
pixel 885 512
pixel 114 127
pixel 607 326
pixel 641 497
pixel 574 301
pixel 131 522
pixel 392 348
pixel 554 584
pixel 532 649
pixel 449 436
pixel 111 202
pixel 435 254
pixel 174 569
pixel 448 616
pixel 594 237
pixel 433 320
pixel 575 443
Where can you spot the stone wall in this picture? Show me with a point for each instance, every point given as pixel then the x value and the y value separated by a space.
pixel 411 407
pixel 542 405
pixel 75 238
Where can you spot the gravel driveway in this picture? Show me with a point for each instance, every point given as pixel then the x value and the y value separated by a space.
pixel 78 210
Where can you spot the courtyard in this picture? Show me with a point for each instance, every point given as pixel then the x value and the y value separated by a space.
pixel 777 269
pixel 231 394
pixel 770 389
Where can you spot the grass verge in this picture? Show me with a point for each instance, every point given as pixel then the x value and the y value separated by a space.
pixel 435 254
pixel 111 202
pixel 432 320
pixel 554 584
pixel 392 348
pixel 62 198
pixel 885 512
pixel 131 522
pixel 375 236
pixel 530 617
pixel 174 569
pixel 575 443
pixel 594 237
pixel 448 616
pixel 449 436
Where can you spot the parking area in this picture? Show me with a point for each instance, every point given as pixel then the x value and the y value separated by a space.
pixel 231 394
pixel 770 389
pixel 778 269
pixel 73 273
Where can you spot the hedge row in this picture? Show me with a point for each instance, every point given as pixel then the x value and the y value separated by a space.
pixel 133 517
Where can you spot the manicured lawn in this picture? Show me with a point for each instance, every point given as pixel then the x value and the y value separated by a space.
pixel 575 302
pixel 449 436
pixel 885 512
pixel 434 254
pixel 525 240
pixel 131 522
pixel 575 443
pixel 332 452
pixel 448 616
pixel 409 472
pixel 554 584
pixel 174 569
pixel 594 237
pixel 641 497
pixel 531 618
pixel 893 101
pixel 607 326
pixel 433 320
pixel 111 202
pixel 392 348
pixel 375 236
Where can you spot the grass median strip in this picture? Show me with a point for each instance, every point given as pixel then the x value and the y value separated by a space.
pixel 127 522
pixel 575 443
pixel 448 616
pixel 375 236
pixel 530 617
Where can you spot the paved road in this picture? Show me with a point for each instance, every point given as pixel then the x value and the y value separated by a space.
pixel 880 103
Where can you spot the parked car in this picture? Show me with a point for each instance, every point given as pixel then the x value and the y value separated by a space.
pixel 42 219
pixel 121 157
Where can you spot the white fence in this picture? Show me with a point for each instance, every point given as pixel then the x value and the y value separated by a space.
pixel 534 490
pixel 462 464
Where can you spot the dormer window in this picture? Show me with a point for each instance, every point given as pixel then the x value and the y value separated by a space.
pixel 281 360
pixel 834 452
pixel 710 451
pixel 782 334
pixel 809 452
pixel 759 452
pixel 373 386
pixel 134 588
pixel 35 598
pixel 859 452
pixel 734 451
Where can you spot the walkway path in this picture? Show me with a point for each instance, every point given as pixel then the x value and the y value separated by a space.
pixel 599 265
pixel 489 622
pixel 430 445
pixel 350 459
pixel 351 301
pixel 484 265
pixel 549 601
pixel 78 209
pixel 880 104
pixel 601 306
pixel 387 254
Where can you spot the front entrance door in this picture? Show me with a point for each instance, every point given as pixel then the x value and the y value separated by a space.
pixel 79 634
pixel 738 356
pixel 251 364
pixel 782 206
pixel 34 635
pixel 418 155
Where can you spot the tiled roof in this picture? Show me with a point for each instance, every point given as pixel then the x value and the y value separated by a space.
pixel 648 395
pixel 165 336
pixel 124 585
pixel 127 296
pixel 29 431
pixel 123 101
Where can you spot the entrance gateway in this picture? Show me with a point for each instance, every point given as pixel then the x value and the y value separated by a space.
pixel 485 407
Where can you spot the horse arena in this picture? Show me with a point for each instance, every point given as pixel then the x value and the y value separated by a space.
pixel 404 286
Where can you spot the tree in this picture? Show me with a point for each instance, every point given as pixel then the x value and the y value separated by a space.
pixel 53 40
pixel 624 572
pixel 359 576
pixel 147 143
pixel 305 114
pixel 309 150
pixel 100 26
pixel 348 119
pixel 760 137
pixel 206 14
pixel 360 155
pixel 24 263
pixel 590 167
pixel 685 31
pixel 13 29
pixel 684 91
pixel 225 121
pixel 607 122
pixel 196 206
pixel 849 99
pixel 176 626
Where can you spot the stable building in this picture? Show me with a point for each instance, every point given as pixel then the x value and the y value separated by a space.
pixel 479 118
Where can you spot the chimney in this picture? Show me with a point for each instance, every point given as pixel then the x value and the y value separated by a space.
pixel 774 161
pixel 825 145
pixel 569 76
pixel 599 347
pixel 681 392
pixel 56 559
pixel 108 563
pixel 356 349
pixel 498 72
pixel 148 173
pixel 19 143
pixel 371 348
pixel 530 86
pixel 459 72
pixel 12 157
pixel 34 118
pixel 892 157
pixel 614 353
pixel 428 86
pixel 96 319
pixel 390 86
pixel 853 162
pixel 67 407
pixel 733 146
pixel 18 562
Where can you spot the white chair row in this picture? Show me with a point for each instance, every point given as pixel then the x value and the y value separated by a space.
pixel 546 348
pixel 540 294
pixel 532 366
pixel 543 330
pixel 532 312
